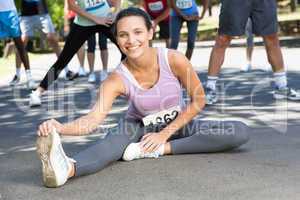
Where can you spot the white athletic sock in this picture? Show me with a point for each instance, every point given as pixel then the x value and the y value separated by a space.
pixel 28 74
pixel 161 150
pixel 211 82
pixel 280 79
pixel 18 72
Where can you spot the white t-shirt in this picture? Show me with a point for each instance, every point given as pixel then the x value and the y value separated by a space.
pixel 7 5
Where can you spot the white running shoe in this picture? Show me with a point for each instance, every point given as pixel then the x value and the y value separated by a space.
pixel 103 75
pixel 133 151
pixel 92 78
pixel 35 99
pixel 14 81
pixel 211 96
pixel 246 68
pixel 31 84
pixel 81 72
pixel 56 166
pixel 63 74
pixel 286 93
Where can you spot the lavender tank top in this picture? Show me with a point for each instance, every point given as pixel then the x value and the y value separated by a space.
pixel 165 94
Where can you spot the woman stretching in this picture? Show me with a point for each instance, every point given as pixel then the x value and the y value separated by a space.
pixel 157 123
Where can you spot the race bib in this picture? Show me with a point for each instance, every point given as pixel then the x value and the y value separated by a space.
pixel 162 117
pixel 184 4
pixel 156 6
pixel 90 4
pixel 32 1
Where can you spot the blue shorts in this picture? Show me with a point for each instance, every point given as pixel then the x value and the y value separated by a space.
pixel 9 24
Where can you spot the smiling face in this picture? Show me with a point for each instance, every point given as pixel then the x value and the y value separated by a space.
pixel 133 36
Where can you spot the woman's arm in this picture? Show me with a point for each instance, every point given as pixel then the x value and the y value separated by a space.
pixel 66 20
pixel 98 20
pixel 110 89
pixel 205 6
pixel 162 16
pixel 185 73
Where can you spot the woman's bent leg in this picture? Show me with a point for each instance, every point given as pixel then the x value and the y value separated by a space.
pixel 209 136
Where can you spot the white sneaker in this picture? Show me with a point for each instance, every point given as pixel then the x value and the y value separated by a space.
pixel 31 84
pixel 286 93
pixel 133 151
pixel 103 75
pixel 246 68
pixel 63 74
pixel 35 99
pixel 14 81
pixel 81 72
pixel 92 78
pixel 56 166
pixel 210 96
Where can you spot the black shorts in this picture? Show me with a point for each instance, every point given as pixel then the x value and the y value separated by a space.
pixel 164 30
pixel 235 13
pixel 102 41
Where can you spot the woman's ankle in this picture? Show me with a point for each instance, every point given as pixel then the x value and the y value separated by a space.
pixel 167 149
pixel 72 171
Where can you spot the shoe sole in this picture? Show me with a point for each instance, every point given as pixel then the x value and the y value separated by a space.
pixel 44 146
pixel 35 105
pixel 72 77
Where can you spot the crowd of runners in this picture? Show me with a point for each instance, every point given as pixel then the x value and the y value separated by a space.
pixel 158 122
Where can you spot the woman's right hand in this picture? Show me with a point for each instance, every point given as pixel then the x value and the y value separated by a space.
pixel 48 126
pixel 105 21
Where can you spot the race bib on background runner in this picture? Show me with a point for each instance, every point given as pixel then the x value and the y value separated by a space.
pixel 184 4
pixel 93 4
pixel 156 6
pixel 162 117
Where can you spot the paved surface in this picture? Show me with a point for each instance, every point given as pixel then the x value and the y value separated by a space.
pixel 267 167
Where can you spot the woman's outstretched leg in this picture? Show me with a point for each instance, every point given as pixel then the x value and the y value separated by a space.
pixel 57 168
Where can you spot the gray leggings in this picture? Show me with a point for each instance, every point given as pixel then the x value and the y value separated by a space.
pixel 196 137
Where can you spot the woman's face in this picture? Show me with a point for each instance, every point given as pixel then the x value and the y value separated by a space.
pixel 133 36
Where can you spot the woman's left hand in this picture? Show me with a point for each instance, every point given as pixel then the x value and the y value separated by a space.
pixel 152 141
pixel 194 18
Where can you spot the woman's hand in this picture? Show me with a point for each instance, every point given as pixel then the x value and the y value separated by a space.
pixel 48 126
pixel 152 141
pixel 193 18
pixel 105 21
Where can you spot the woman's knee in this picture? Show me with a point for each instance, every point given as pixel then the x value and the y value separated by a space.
pixel 240 132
